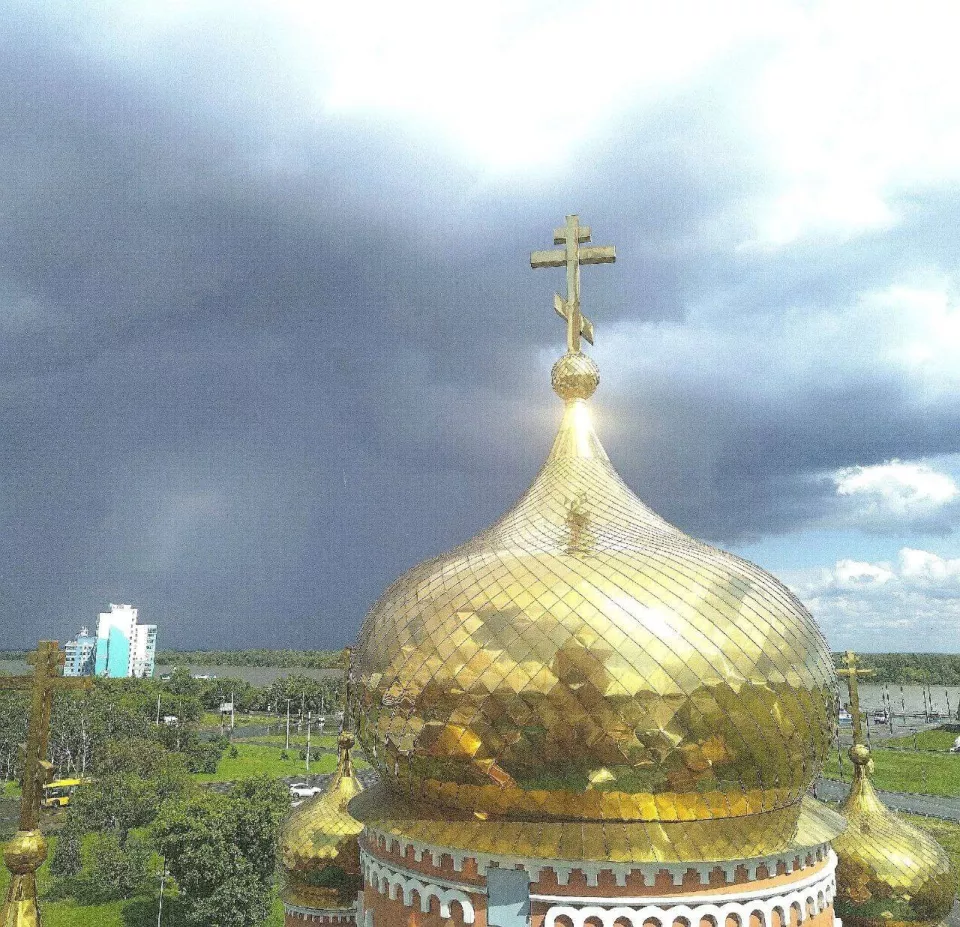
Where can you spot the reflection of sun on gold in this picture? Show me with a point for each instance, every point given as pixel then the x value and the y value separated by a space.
pixel 583 659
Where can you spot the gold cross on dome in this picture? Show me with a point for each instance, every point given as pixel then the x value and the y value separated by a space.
pixel 572 235
pixel 851 672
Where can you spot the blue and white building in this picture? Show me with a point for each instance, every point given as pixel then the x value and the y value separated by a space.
pixel 80 654
pixel 122 646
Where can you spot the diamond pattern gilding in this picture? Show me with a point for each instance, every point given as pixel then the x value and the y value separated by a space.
pixel 583 659
pixel 321 833
pixel 888 872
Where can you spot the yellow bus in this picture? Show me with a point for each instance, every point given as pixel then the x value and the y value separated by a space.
pixel 57 794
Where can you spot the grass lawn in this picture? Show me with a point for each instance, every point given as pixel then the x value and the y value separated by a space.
pixel 11 789
pixel 139 911
pixel 254 760
pixel 899 771
pixel 925 740
pixel 324 741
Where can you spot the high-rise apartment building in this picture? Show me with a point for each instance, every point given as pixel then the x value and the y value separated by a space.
pixel 144 650
pixel 124 647
pixel 80 654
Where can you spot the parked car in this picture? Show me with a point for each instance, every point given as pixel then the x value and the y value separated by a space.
pixel 302 790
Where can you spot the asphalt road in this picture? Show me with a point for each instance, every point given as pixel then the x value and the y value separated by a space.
pixel 934 806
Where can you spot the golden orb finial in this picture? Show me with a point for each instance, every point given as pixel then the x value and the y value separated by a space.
pixel 574 376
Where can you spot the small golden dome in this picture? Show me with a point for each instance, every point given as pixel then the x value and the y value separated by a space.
pixel 584 659
pixel 888 872
pixel 318 847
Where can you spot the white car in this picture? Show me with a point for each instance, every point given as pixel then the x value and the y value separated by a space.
pixel 302 790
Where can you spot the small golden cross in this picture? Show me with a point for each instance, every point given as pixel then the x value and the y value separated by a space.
pixel 27 851
pixel 572 255
pixel 851 673
pixel 578 522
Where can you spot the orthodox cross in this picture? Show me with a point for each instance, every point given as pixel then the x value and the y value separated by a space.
pixel 46 661
pixel 852 672
pixel 26 852
pixel 572 235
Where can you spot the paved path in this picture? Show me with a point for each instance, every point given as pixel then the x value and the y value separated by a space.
pixel 934 806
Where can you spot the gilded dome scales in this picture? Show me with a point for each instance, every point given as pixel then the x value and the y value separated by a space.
pixel 583 659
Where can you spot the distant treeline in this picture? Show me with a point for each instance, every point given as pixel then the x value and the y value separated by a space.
pixel 315 659
pixel 13 655
pixel 906 668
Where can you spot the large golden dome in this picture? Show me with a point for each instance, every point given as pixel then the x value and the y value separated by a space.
pixel 584 659
pixel 888 872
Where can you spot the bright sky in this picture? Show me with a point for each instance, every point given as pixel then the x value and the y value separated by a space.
pixel 269 337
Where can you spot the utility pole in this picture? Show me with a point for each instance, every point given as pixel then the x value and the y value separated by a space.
pixel 288 725
pixel 163 879
pixel 309 715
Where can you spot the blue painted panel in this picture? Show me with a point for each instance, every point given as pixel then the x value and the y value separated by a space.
pixel 119 659
pixel 508 897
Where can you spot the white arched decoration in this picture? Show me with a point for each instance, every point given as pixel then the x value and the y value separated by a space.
pixel 399 887
pixel 811 899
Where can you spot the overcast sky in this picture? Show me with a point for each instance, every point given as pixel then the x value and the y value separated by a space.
pixel 269 335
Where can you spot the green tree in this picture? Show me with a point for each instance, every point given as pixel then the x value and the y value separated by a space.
pixel 113 869
pixel 133 778
pixel 66 861
pixel 221 849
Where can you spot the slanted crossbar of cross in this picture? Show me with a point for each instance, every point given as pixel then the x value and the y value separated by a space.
pixel 571 236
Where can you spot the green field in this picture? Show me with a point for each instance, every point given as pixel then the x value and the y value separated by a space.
pixel 925 740
pixel 298 741
pixel 900 771
pixel 254 759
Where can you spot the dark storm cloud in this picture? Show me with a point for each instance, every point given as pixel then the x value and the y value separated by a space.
pixel 255 365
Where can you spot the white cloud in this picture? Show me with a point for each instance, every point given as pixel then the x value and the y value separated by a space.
pixel 895 491
pixel 860 104
pixel 917 597
pixel 520 84
pixel 846 105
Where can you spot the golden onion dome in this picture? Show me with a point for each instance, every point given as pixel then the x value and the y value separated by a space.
pixel 584 659
pixel 318 847
pixel 888 872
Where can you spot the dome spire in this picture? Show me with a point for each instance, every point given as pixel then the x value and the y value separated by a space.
pixel 851 671
pixel 574 376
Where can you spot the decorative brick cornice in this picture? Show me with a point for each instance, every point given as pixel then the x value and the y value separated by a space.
pixel 378 842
